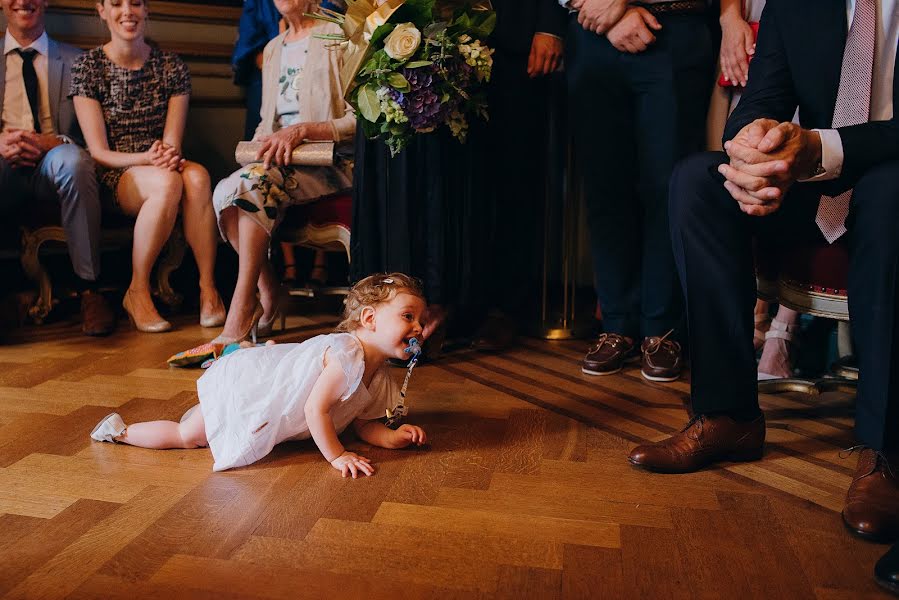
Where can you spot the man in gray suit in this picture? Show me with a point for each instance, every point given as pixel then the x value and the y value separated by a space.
pixel 40 155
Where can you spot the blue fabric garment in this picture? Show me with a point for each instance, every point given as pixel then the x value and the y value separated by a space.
pixel 258 24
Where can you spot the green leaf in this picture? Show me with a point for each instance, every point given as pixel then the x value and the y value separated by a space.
pixel 434 29
pixel 381 32
pixel 419 12
pixel 398 82
pixel 483 25
pixel 370 129
pixel 246 205
pixel 415 64
pixel 463 21
pixel 369 105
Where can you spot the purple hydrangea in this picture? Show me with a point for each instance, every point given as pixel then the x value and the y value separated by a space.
pixel 421 104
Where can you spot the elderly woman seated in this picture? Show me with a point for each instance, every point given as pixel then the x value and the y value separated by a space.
pixel 301 100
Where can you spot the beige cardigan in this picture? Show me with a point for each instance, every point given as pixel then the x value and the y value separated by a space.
pixel 321 98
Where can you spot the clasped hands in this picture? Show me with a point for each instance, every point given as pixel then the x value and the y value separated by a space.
pixel 23 148
pixel 766 159
pixel 628 28
pixel 165 156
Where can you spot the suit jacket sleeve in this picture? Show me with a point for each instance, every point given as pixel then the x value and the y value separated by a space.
pixel 551 17
pixel 869 144
pixel 769 93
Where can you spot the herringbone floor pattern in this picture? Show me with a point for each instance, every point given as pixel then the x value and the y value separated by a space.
pixel 523 493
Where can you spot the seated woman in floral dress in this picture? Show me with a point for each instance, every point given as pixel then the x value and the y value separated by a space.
pixel 301 100
pixel 131 101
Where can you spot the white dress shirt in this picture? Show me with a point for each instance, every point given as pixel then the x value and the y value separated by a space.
pixel 16 110
pixel 881 84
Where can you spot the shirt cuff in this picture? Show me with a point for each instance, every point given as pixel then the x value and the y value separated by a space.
pixel 831 155
pixel 558 37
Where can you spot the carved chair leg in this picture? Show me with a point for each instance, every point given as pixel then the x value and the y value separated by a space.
pixel 31 264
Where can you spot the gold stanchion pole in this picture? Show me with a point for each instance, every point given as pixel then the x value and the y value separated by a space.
pixel 558 299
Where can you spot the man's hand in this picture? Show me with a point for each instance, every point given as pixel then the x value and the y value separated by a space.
pixel 598 16
pixel 767 158
pixel 633 32
pixel 43 141
pixel 277 147
pixel 20 149
pixel 546 54
pixel 409 434
pixel 9 146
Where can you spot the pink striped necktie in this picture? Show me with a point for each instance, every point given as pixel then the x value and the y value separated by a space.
pixel 852 107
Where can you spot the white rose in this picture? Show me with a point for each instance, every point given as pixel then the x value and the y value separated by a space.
pixel 402 42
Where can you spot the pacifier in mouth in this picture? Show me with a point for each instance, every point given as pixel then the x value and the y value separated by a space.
pixel 414 348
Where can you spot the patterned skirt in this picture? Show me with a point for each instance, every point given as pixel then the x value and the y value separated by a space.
pixel 266 195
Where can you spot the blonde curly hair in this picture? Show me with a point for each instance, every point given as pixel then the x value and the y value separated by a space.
pixel 373 290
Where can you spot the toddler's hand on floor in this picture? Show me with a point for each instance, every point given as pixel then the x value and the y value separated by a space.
pixel 410 434
pixel 350 463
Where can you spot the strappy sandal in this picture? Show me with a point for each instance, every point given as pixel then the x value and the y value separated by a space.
pixel 781 331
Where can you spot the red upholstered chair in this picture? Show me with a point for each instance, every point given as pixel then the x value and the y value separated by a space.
pixel 810 279
pixel 320 225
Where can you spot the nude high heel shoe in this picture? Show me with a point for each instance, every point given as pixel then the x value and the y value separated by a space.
pixel 267 326
pixel 251 332
pixel 148 326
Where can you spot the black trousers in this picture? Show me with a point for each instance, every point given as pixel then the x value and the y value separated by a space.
pixel 712 242
pixel 633 116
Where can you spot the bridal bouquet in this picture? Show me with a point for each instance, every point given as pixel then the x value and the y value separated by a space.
pixel 413 66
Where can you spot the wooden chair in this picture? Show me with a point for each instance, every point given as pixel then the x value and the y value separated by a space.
pixel 320 225
pixel 41 224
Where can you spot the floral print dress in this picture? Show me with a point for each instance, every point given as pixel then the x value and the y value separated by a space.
pixel 266 194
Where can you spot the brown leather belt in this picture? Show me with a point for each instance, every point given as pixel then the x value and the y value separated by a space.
pixel 678 7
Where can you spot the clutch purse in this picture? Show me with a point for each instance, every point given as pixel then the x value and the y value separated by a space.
pixel 727 83
pixel 308 154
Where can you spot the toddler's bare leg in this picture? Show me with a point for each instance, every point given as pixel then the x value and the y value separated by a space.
pixel 191 433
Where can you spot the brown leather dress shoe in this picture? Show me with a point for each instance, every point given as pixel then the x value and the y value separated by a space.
pixel 886 571
pixel 609 354
pixel 872 502
pixel 97 317
pixel 661 359
pixel 705 440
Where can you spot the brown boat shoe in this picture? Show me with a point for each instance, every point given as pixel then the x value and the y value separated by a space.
pixel 609 354
pixel 661 359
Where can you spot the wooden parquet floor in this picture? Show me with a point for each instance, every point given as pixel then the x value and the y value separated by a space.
pixel 524 492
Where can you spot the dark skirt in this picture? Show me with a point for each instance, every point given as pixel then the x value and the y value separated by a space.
pixel 420 213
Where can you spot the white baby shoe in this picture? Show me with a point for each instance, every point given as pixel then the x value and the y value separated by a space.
pixel 110 427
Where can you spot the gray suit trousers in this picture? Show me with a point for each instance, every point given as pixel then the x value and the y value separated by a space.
pixel 65 174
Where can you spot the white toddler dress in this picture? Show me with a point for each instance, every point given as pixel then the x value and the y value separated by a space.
pixel 254 398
